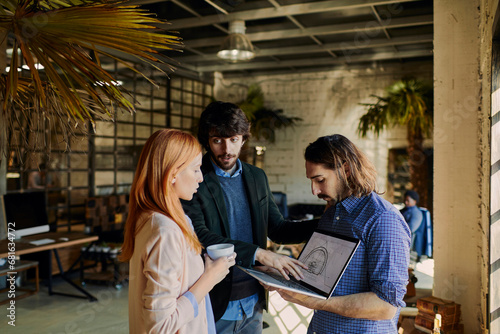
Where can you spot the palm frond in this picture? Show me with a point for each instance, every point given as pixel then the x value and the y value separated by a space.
pixel 407 102
pixel 67 38
pixel 376 118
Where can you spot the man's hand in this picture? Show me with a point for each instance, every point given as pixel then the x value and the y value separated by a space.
pixel 284 264
pixel 363 305
pixel 301 299
pixel 296 298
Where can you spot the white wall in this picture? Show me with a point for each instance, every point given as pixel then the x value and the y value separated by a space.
pixel 328 103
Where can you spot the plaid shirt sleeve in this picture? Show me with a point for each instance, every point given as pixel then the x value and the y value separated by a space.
pixel 387 248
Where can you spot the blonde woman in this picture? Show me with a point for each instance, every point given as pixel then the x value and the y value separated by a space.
pixel 168 284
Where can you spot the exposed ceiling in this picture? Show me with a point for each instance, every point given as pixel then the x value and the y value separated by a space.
pixel 299 35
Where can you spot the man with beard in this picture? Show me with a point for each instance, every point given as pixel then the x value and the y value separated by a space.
pixel 234 204
pixel 370 294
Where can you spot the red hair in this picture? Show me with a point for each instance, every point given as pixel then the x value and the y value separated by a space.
pixel 165 154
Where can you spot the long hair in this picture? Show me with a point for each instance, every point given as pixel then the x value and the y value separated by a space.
pixel 336 150
pixel 165 154
pixel 222 119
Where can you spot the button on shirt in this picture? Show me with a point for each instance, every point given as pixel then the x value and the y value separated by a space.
pixel 379 265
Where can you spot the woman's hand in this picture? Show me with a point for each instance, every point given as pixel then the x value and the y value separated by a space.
pixel 218 269
pixel 215 271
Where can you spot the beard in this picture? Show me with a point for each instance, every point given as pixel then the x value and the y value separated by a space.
pixel 338 196
pixel 225 161
pixel 330 201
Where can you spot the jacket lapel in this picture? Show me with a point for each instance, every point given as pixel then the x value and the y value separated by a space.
pixel 253 199
pixel 212 182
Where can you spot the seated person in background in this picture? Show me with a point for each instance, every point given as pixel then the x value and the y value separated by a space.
pixel 169 285
pixel 412 214
pixel 39 179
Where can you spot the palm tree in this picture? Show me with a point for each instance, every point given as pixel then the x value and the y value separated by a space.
pixel 69 38
pixel 408 102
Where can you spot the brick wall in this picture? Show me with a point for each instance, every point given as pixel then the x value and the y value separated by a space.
pixel 328 103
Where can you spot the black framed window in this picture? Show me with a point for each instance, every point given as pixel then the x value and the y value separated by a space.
pixel 103 162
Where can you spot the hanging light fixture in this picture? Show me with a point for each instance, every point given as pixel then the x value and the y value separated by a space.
pixel 236 47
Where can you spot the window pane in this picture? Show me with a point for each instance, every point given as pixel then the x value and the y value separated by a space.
pixel 104 144
pixel 159 118
pixel 186 123
pixel 104 178
pixel 79 179
pixel 104 128
pixel 125 130
pixel 104 161
pixel 143 116
pixel 175 95
pixel 79 160
pixel 175 122
pixel 124 178
pixel 124 116
pixel 78 197
pixel 125 161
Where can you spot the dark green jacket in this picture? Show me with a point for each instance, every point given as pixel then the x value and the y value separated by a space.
pixel 208 212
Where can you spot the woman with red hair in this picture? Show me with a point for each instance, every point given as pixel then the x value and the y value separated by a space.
pixel 168 282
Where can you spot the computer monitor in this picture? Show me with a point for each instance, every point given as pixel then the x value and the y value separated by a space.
pixel 28 211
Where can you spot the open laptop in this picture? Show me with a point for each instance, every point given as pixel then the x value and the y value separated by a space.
pixel 326 254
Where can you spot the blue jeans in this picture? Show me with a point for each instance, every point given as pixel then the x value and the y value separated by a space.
pixel 251 325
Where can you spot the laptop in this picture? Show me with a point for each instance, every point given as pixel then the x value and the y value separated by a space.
pixel 326 254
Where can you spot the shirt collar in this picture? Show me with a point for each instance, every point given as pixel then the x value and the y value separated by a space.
pixel 220 172
pixel 351 202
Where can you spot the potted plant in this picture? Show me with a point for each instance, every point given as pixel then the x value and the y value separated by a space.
pixel 408 102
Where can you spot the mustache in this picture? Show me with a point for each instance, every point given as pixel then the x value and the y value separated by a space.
pixel 321 196
pixel 225 156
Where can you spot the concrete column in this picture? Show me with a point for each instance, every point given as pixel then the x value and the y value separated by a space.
pixel 461 158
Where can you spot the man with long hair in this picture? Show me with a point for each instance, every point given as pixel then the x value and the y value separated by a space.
pixel 370 294
pixel 234 204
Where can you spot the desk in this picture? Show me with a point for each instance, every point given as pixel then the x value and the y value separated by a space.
pixel 23 247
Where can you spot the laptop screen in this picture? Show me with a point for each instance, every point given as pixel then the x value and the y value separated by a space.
pixel 327 255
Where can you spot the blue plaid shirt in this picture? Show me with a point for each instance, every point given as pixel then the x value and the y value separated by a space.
pixel 380 264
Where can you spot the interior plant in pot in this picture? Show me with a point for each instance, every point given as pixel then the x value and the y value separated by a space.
pixel 407 102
